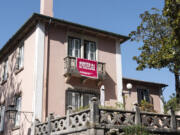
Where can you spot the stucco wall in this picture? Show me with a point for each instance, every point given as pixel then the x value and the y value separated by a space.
pixel 131 96
pixel 107 54
pixel 56 81
pixel 20 82
pixel 57 85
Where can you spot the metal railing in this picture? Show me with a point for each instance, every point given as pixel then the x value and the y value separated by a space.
pixel 71 69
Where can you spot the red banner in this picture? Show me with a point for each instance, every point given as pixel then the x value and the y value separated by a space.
pixel 87 67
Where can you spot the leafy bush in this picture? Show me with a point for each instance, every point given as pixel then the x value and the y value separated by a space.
pixel 172 103
pixel 146 106
pixel 135 130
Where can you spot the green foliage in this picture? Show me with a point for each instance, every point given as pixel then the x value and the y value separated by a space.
pixel 172 103
pixel 156 52
pixel 160 33
pixel 146 106
pixel 81 108
pixel 135 130
pixel 120 106
pixel 117 106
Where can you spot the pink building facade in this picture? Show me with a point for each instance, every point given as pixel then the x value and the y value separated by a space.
pixel 39 72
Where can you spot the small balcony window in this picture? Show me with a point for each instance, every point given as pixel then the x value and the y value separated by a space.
pixel 74 47
pixel 89 50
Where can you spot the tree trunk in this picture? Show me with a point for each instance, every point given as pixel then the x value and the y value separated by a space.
pixel 177 85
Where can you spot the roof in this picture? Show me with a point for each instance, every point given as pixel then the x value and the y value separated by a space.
pixel 35 18
pixel 145 82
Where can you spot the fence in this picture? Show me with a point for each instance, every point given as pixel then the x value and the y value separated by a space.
pixel 96 120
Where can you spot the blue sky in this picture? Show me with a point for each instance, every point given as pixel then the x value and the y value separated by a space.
pixel 119 16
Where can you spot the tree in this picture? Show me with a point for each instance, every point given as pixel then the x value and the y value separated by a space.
pixel 159 33
pixel 171 103
pixel 172 12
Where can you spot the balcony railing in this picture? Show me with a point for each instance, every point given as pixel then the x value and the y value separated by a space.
pixel 105 121
pixel 71 69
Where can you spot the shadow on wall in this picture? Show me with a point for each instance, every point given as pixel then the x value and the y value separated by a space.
pixel 110 91
pixel 10 88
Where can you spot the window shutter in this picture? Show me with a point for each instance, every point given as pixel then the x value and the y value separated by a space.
pixel 2 118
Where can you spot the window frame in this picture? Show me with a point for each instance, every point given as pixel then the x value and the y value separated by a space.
pixel 5 71
pixel 146 95
pixel 20 57
pixel 89 50
pixel 18 105
pixel 81 93
pixel 2 117
pixel 82 37
pixel 74 47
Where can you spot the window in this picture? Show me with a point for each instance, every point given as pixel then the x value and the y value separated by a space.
pixel 5 71
pixel 2 111
pixel 78 99
pixel 20 57
pixel 90 50
pixel 74 47
pixel 143 94
pixel 18 108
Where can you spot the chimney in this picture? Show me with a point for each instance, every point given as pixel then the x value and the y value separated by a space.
pixel 46 7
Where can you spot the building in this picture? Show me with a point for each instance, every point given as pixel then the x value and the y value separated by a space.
pixel 40 71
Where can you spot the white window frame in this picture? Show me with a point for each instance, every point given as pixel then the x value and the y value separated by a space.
pixel 18 102
pixel 5 70
pixel 82 37
pixel 77 103
pixel 20 57
pixel 74 47
pixel 89 50
pixel 2 116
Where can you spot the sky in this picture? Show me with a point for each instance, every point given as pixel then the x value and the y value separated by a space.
pixel 119 16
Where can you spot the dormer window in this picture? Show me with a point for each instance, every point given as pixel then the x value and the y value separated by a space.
pixel 20 57
pixel 89 50
pixel 74 47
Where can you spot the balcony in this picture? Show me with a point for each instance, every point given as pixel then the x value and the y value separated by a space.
pixel 72 71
